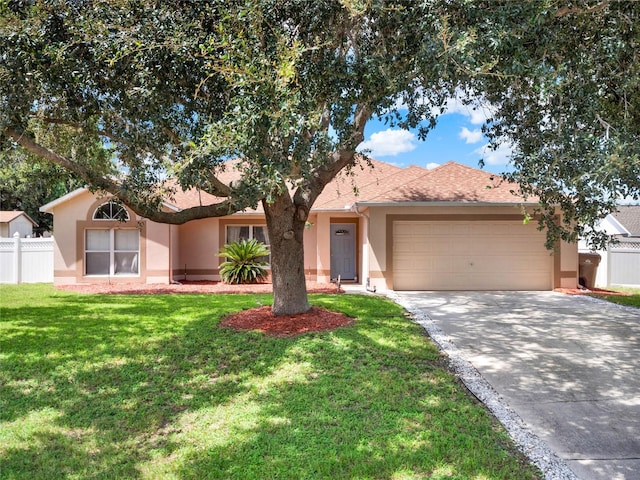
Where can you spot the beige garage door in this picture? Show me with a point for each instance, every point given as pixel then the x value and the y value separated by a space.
pixel 470 255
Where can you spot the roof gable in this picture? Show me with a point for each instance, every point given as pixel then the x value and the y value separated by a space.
pixel 361 182
pixel 372 182
pixel 629 217
pixel 48 208
pixel 451 182
pixel 7 216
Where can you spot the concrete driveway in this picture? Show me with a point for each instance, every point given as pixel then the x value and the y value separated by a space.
pixel 565 368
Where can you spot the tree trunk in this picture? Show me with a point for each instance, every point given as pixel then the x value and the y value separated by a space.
pixel 286 230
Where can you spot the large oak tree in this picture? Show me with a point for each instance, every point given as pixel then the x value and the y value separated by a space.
pixel 173 90
pixel 566 89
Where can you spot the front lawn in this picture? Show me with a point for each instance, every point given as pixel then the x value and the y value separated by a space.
pixel 142 386
pixel 632 299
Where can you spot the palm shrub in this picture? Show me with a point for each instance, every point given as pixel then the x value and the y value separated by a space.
pixel 245 262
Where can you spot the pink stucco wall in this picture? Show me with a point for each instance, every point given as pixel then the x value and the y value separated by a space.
pixel 565 269
pixel 70 219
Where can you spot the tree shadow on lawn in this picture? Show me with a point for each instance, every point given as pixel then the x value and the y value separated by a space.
pixel 160 391
pixel 369 401
pixel 71 380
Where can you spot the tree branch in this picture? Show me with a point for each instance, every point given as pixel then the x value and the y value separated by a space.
pixel 579 11
pixel 217 188
pixel 83 128
pixel 144 209
pixel 32 146
pixel 343 156
pixel 105 133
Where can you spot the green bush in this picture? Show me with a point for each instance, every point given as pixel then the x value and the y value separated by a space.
pixel 245 262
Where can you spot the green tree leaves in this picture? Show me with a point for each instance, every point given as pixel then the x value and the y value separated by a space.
pixel 173 90
pixel 570 104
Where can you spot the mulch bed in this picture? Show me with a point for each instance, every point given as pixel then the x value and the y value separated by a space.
pixel 260 319
pixel 586 291
pixel 187 287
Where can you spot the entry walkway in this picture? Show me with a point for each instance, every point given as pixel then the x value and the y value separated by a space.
pixel 563 367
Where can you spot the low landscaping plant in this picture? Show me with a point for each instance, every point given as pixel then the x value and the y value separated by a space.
pixel 151 387
pixel 245 262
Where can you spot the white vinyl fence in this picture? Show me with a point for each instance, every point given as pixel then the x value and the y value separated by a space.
pixel 26 260
pixel 624 263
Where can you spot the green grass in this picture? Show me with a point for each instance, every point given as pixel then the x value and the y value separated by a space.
pixel 144 387
pixel 632 300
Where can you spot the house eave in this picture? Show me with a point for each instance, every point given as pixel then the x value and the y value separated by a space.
pixel 444 204
pixel 30 219
pixel 346 208
pixel 171 206
pixel 48 208
pixel 18 214
pixel 621 229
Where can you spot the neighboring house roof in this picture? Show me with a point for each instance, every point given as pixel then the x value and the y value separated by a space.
pixel 629 217
pixel 8 216
pixel 378 183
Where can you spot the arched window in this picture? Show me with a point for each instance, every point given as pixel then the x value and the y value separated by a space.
pixel 112 210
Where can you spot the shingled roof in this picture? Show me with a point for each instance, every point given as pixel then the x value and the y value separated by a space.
pixel 629 218
pixel 7 216
pixel 451 182
pixel 384 183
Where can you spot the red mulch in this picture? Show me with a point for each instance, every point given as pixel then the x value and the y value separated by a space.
pixel 585 291
pixel 188 287
pixel 261 319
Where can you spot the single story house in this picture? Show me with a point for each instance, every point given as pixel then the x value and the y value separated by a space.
pixel 620 262
pixel 12 222
pixel 448 228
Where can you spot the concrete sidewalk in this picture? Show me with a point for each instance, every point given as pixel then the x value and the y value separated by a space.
pixel 568 366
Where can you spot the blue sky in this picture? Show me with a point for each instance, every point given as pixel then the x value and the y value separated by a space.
pixel 457 137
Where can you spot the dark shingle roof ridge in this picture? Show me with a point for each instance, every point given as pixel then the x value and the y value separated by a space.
pixel 394 186
pixel 366 170
pixel 449 182
pixel 468 167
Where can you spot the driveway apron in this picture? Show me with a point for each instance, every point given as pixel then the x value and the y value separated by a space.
pixel 566 367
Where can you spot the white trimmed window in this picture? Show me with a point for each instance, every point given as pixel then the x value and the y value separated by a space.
pixel 112 252
pixel 111 210
pixel 237 233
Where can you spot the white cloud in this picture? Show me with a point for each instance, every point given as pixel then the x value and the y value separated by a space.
pixel 500 156
pixel 432 165
pixel 389 143
pixel 470 136
pixel 478 111
pixel 628 201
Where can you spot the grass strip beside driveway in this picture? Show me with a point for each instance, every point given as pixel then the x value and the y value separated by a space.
pixel 631 299
pixel 126 386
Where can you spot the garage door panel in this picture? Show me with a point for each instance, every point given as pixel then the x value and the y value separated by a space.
pixel 470 256
pixel 451 281
pixel 417 263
